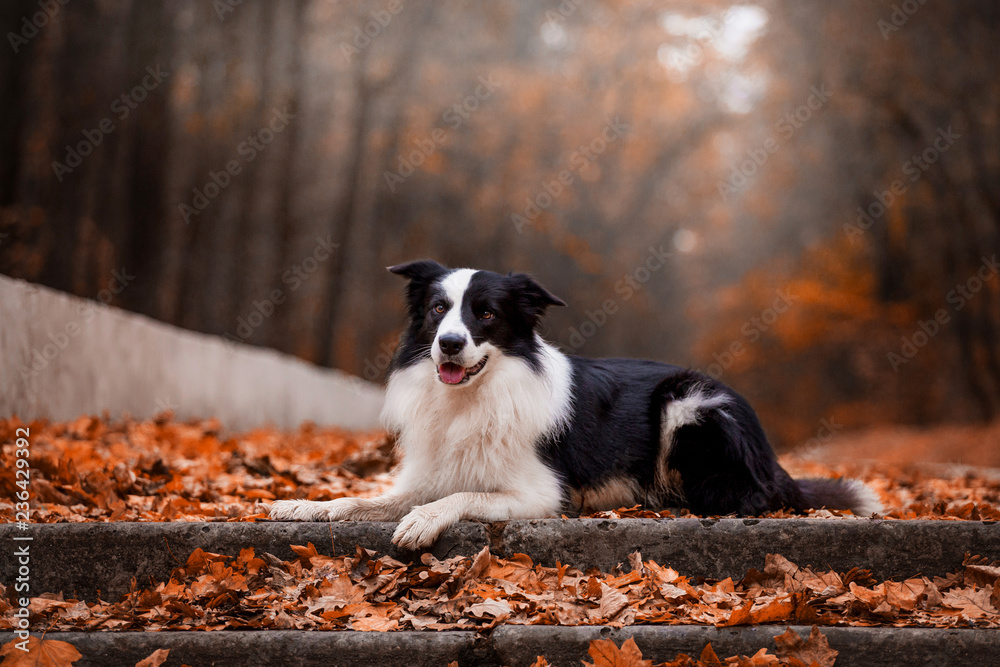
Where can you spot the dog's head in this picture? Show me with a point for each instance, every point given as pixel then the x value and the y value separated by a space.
pixel 461 319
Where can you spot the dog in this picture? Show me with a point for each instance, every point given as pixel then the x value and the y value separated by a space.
pixel 493 423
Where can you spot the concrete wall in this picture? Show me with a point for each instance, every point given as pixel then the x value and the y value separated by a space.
pixel 62 356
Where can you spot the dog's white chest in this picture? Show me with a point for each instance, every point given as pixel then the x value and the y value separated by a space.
pixel 479 438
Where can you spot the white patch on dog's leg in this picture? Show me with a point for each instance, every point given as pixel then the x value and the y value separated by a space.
pixel 390 507
pixel 383 508
pixel 424 524
pixel 300 510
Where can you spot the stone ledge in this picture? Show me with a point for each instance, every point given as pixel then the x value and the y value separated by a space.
pixel 62 356
pixel 81 558
pixel 719 548
pixel 519 645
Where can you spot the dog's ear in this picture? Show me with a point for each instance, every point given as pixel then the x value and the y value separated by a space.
pixel 421 273
pixel 534 298
pixel 421 270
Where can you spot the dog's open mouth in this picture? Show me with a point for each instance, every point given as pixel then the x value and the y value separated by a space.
pixel 450 373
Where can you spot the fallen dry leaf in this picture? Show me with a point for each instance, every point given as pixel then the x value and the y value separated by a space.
pixel 773 611
pixel 612 602
pixel 814 649
pixel 365 591
pixel 973 602
pixel 154 659
pixel 94 469
pixel 41 653
pixel 605 653
pixel 708 656
pixel 494 608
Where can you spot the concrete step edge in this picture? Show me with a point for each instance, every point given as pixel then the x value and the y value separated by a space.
pixel 519 645
pixel 80 559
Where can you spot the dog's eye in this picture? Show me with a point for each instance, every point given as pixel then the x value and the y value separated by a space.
pixel 486 315
pixel 439 309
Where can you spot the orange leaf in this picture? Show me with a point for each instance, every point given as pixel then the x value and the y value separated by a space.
pixel 612 601
pixel 974 603
pixel 741 615
pixel 154 659
pixel 40 653
pixel 305 553
pixel 981 574
pixel 374 623
pixel 815 649
pixel 774 611
pixel 708 656
pixel 606 654
pixel 870 597
pixel 760 659
pixel 494 608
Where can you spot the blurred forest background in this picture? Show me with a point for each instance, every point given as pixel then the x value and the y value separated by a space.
pixel 800 198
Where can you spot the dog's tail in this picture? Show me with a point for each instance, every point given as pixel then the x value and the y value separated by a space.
pixel 840 494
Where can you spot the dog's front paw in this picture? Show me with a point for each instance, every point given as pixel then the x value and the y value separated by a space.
pixel 311 510
pixel 422 526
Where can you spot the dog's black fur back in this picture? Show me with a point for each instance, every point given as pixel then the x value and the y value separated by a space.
pixel 724 462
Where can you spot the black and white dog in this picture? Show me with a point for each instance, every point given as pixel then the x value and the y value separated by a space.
pixel 493 423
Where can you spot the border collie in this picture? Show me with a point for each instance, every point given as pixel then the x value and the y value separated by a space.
pixel 494 423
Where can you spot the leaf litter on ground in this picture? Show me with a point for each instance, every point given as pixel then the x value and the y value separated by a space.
pixel 365 591
pixel 100 469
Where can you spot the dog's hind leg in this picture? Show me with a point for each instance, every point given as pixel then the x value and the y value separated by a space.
pixel 390 507
pixel 724 465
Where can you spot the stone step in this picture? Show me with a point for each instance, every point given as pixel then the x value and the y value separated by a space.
pixel 80 559
pixel 518 646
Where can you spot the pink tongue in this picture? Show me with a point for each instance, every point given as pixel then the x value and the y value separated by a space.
pixel 451 373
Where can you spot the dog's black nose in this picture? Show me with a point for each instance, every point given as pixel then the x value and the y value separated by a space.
pixel 451 344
